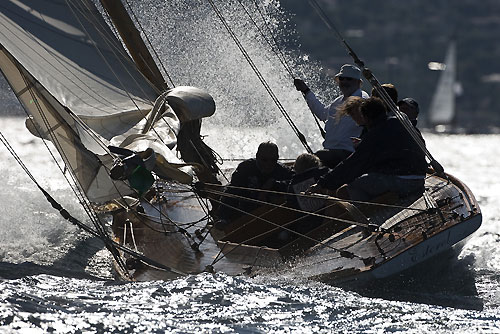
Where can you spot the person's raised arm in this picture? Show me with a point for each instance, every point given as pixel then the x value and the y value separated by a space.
pixel 312 101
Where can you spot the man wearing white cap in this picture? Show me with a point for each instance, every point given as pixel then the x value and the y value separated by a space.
pixel 338 143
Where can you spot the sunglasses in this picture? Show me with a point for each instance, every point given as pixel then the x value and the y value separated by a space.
pixel 345 79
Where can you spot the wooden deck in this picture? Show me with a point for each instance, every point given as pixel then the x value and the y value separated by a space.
pixel 327 245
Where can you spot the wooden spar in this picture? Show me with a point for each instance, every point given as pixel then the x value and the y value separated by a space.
pixel 134 43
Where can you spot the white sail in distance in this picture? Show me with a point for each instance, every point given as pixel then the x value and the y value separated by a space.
pixel 442 108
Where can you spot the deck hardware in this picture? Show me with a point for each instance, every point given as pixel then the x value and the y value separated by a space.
pixel 195 246
pixel 347 254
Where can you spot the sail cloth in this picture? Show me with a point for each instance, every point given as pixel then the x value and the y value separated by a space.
pixel 442 108
pixel 70 50
pixel 66 66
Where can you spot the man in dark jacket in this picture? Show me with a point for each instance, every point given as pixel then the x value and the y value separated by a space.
pixel 264 172
pixel 387 159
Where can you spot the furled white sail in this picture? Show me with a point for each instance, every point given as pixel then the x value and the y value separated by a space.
pixel 442 108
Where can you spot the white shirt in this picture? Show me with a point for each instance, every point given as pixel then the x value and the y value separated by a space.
pixel 338 135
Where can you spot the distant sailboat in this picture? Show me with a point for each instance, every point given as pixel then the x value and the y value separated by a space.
pixel 442 108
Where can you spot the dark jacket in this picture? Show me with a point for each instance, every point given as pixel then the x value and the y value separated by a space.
pixel 387 148
pixel 247 175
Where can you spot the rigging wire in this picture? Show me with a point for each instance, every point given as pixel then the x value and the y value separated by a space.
pixel 352 222
pixel 274 46
pixel 100 31
pixel 99 51
pixel 278 52
pixel 287 67
pixel 311 196
pixel 150 44
pixel 380 90
pixel 118 51
pixel 77 190
pixel 113 40
pixel 261 77
pixel 278 226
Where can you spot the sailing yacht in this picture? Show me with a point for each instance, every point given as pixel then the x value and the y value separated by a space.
pixel 118 128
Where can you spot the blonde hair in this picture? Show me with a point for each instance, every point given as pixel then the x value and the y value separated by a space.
pixel 306 161
pixel 350 104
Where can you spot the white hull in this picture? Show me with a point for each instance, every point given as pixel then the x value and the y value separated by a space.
pixel 427 249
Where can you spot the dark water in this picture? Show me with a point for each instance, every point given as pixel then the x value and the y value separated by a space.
pixel 54 278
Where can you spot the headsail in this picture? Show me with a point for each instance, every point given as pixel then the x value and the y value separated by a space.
pixel 73 75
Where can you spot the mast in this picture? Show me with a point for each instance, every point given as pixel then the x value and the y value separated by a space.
pixel 134 43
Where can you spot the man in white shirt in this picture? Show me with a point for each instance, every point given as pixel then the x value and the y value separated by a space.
pixel 339 130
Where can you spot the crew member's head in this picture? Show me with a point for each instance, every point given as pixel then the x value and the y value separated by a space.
pixel 348 79
pixel 306 161
pixel 390 89
pixel 373 110
pixel 267 157
pixel 410 107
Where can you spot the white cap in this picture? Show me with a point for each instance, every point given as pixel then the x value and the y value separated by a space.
pixel 349 71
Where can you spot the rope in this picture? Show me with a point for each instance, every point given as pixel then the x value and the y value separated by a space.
pixel 261 78
pixel 290 209
pixel 274 46
pixel 279 54
pixel 313 196
pixel 66 215
pixel 318 242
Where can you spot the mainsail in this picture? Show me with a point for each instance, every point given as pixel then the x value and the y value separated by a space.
pixel 442 108
pixel 80 86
